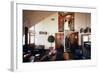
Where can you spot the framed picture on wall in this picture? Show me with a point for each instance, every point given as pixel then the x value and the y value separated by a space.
pixel 32 24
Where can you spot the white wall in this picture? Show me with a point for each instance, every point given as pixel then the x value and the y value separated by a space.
pixel 49 26
pixel 82 20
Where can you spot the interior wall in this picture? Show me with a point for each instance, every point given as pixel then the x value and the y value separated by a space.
pixel 82 20
pixel 47 25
